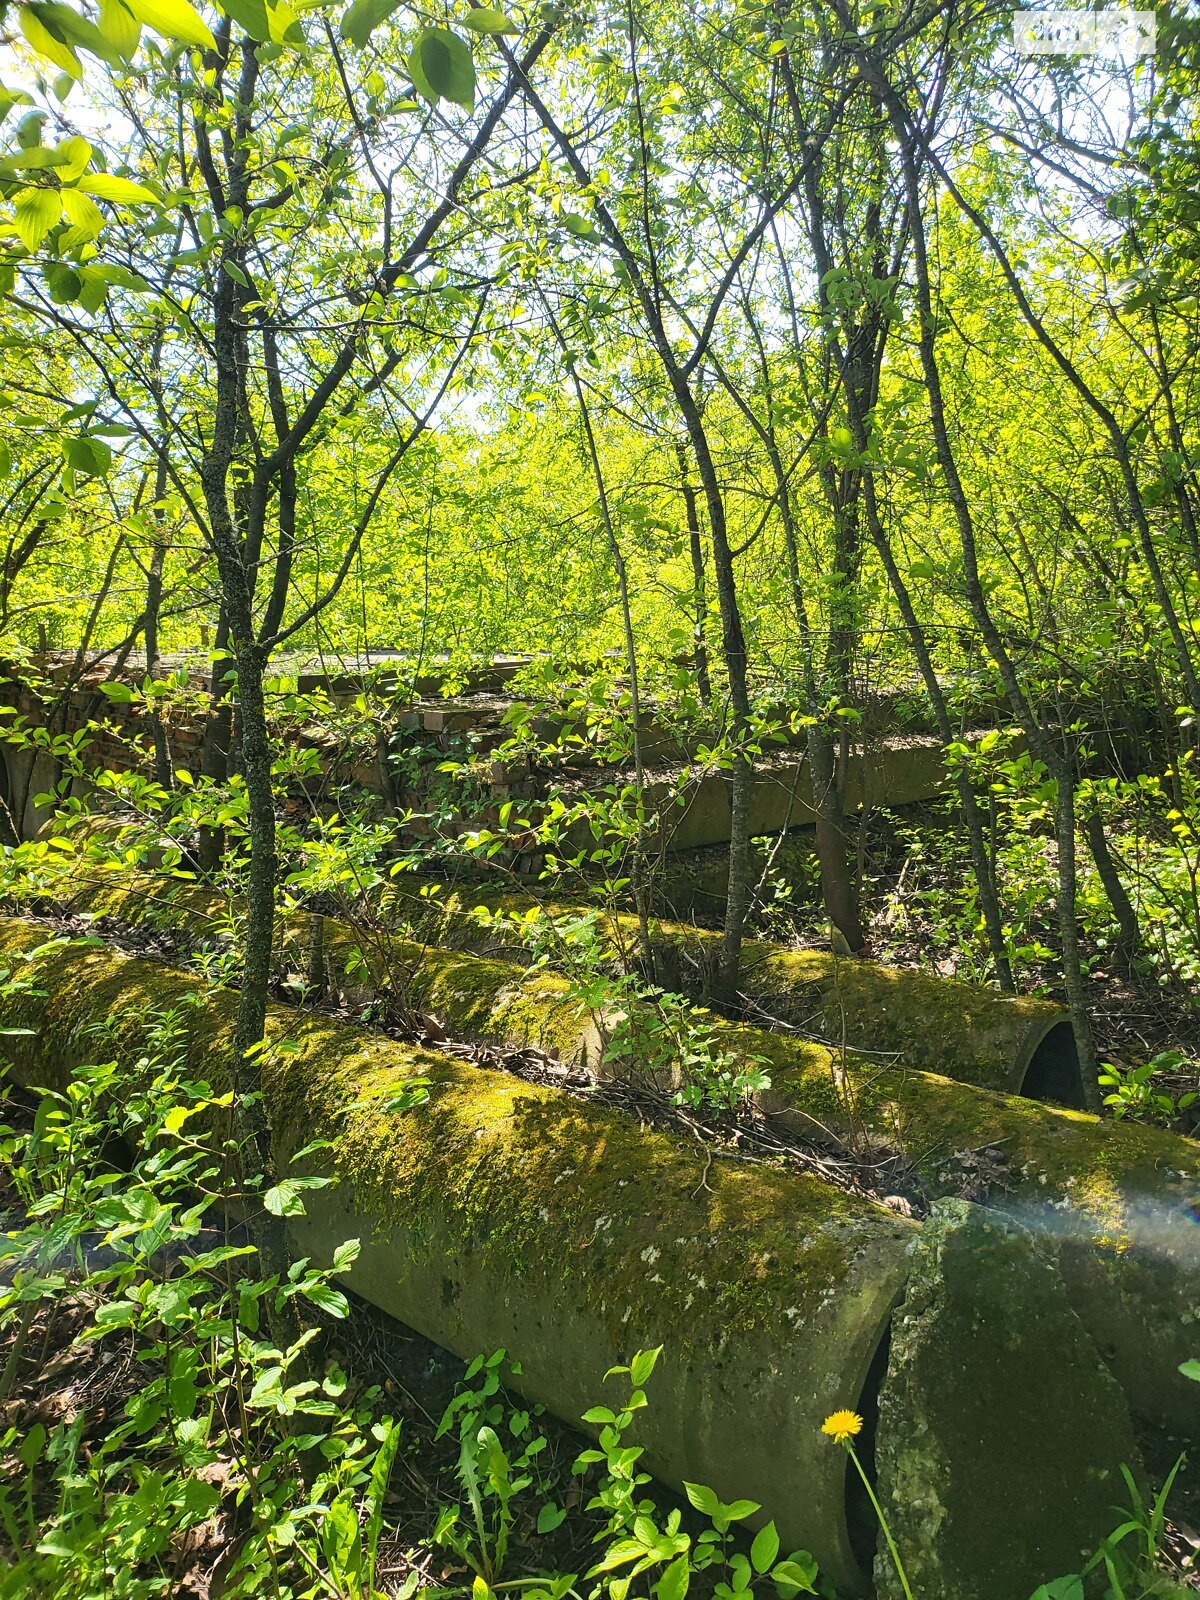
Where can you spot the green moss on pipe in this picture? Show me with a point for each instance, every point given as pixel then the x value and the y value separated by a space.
pixel 1014 1044
pixel 965 1031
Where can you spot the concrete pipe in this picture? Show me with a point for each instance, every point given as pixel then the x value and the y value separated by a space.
pixel 503 1213
pixel 1014 1043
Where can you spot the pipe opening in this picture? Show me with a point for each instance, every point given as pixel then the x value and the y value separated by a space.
pixel 1053 1072
pixel 861 1523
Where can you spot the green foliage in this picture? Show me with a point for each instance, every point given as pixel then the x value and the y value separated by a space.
pixel 1129 1560
pixel 1133 1092
pixel 217 1387
pixel 640 1544
pixel 658 1035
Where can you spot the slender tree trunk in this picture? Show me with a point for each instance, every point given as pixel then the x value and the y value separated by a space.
pixel 699 586
pixel 154 594
pixel 1129 934
pixel 217 740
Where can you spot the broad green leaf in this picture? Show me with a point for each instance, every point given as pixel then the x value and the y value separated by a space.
pixel 94 287
pixel 363 17
pixel 178 1115
pixel 45 44
pixel 1069 1587
pixel 703 1498
pixel 62 282
pixel 673 1585
pixel 117 1314
pixel 581 227
pixel 89 456
pixel 1191 1369
pixel 120 27
pixel 121 191
pixel 599 1414
pixel 346 1255
pixel 74 155
pixel 550 1516
pixel 123 278
pixel 798 1573
pixel 286 1199
pixel 442 69
pixel 76 32
pixel 5 459
pixel 174 19
pixel 486 19
pixel 10 98
pixel 40 159
pixel 284 24
pixel 35 212
pixel 643 1365
pixel 764 1548
pixel 251 15
pixel 83 213
pixel 326 1298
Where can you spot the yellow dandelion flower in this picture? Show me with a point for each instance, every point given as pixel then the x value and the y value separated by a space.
pixel 842 1426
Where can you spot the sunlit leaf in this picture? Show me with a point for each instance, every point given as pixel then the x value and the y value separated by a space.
pixel 45 44
pixel 363 17
pixel 174 19
pixel 284 24
pixel 121 191
pixel 62 282
pixel 74 155
pixel 120 27
pixel 76 32
pixel 83 213
pixel 35 212
pixel 250 15
pixel 486 19
pixel 442 69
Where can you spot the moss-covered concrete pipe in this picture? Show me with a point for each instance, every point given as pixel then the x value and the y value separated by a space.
pixel 1119 1201
pixel 472 996
pixel 1013 1043
pixel 503 1213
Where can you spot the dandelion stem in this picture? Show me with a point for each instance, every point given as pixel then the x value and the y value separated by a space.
pixel 887 1532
